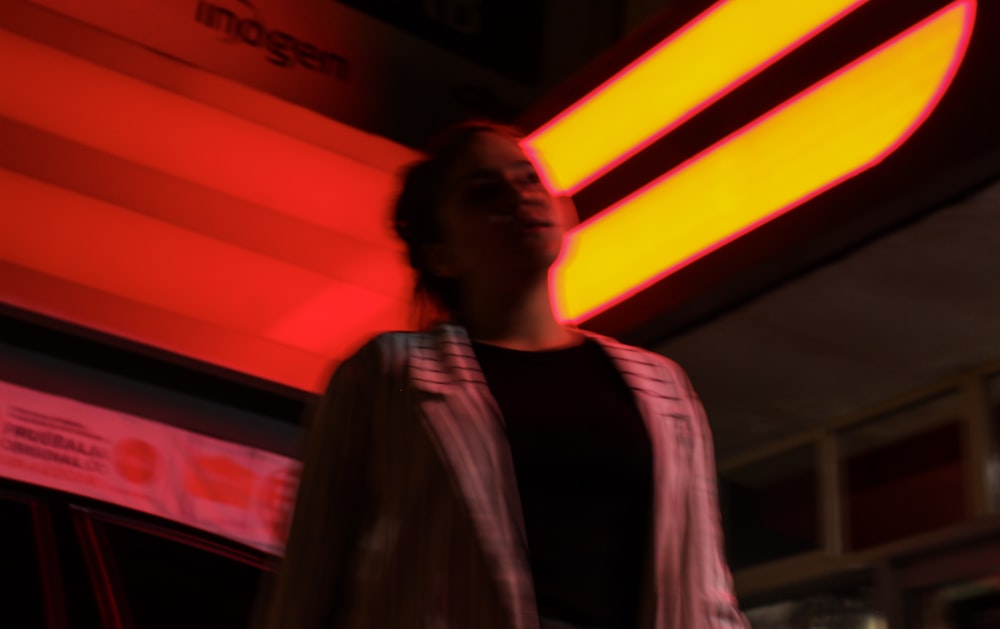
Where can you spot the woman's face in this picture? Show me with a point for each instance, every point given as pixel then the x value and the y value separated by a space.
pixel 497 219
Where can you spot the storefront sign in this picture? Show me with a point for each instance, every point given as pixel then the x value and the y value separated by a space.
pixel 321 54
pixel 282 49
pixel 225 488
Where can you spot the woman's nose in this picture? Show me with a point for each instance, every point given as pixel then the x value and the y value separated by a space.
pixel 516 198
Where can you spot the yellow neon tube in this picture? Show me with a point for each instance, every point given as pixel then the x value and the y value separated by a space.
pixel 839 127
pixel 712 55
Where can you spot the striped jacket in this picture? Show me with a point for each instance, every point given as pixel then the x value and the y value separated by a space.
pixel 408 514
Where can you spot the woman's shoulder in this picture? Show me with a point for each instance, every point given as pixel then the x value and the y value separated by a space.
pixel 388 351
pixel 382 347
pixel 661 372
pixel 399 359
pixel 633 353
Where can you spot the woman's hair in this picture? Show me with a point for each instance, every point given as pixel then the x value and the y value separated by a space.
pixel 415 216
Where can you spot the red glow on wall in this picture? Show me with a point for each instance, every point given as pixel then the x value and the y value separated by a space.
pixel 256 239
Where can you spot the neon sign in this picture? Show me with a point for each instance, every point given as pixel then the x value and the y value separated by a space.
pixel 830 132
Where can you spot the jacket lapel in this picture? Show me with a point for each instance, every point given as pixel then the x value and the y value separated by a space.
pixel 465 423
pixel 660 404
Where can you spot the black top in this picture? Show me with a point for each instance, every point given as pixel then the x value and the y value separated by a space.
pixel 583 462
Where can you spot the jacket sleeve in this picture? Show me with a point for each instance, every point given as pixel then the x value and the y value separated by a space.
pixel 710 581
pixel 332 504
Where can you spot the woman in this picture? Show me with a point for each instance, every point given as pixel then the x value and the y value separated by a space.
pixel 503 469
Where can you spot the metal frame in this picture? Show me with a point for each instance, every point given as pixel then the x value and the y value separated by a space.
pixel 900 568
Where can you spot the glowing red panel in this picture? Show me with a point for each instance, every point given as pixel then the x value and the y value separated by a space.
pixel 210 231
pixel 145 124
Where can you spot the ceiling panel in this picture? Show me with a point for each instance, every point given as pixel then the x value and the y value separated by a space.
pixel 909 310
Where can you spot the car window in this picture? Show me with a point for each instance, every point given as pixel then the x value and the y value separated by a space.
pixel 167 584
pixel 22 596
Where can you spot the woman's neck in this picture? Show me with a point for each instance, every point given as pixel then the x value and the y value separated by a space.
pixel 516 319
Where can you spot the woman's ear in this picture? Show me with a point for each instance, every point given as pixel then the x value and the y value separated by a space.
pixel 440 261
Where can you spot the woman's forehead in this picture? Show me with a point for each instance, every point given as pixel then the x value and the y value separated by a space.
pixel 488 150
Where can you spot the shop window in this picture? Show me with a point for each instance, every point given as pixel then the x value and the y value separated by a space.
pixel 993 460
pixel 79 576
pixel 21 597
pixel 902 473
pixel 770 508
pixel 168 584
pixel 970 604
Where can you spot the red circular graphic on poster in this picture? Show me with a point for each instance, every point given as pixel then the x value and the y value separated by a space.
pixel 135 460
pixel 276 501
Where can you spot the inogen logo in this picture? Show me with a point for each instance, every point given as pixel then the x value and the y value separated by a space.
pixel 282 49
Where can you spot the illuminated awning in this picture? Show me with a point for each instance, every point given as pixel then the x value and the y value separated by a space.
pixel 841 126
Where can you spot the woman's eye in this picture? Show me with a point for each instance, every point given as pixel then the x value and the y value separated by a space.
pixel 488 189
pixel 484 190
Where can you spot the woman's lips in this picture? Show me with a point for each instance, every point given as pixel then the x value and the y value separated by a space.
pixel 534 223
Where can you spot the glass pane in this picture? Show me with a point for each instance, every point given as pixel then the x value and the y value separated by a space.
pixel 21 597
pixel 168 584
pixel 993 462
pixel 852 608
pixel 770 508
pixel 78 586
pixel 903 473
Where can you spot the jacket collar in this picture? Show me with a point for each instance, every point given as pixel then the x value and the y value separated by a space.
pixel 443 363
pixel 443 357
